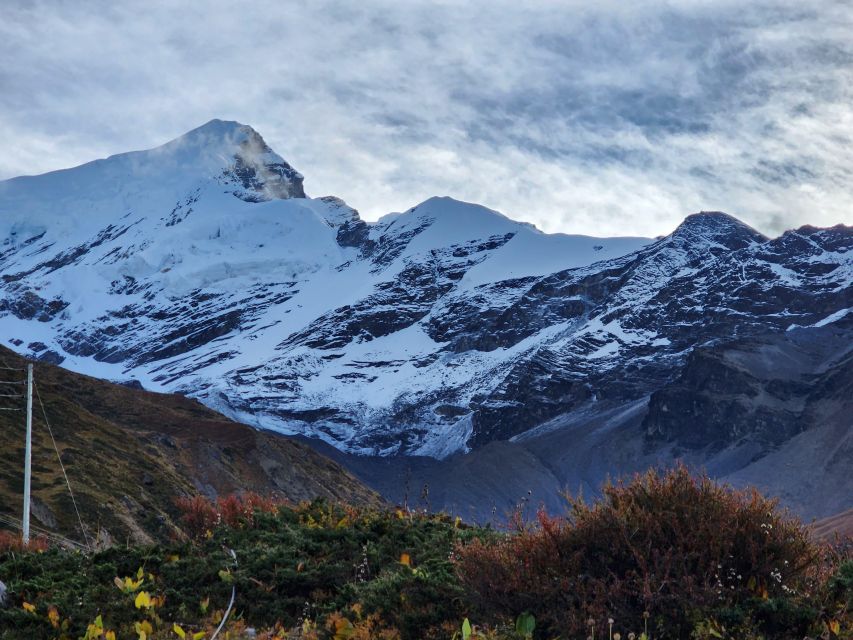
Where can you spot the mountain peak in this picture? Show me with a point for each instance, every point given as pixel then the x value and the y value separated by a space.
pixel 213 137
pixel 219 127
pixel 717 228
pixel 256 171
pixel 219 156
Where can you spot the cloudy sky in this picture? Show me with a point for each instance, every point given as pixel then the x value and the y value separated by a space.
pixel 605 117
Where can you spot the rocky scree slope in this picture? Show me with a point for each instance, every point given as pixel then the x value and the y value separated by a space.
pixel 770 410
pixel 201 267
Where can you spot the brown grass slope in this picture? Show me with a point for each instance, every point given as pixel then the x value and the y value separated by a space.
pixel 129 453
pixel 841 525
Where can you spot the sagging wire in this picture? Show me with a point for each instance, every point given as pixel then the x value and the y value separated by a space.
pixel 62 466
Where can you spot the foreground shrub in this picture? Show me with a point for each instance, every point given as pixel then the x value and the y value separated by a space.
pixel 200 515
pixel 327 570
pixel 701 560
pixel 668 551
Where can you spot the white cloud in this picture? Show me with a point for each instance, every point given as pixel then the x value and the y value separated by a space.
pixel 612 118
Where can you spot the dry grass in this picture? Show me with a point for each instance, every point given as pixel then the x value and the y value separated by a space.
pixel 840 525
pixel 130 452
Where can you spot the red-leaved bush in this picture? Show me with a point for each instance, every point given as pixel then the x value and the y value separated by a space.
pixel 684 549
pixel 200 515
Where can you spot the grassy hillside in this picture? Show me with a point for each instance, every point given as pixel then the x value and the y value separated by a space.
pixel 129 453
pixel 839 525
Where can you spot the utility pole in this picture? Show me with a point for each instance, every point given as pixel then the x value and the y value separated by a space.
pixel 28 456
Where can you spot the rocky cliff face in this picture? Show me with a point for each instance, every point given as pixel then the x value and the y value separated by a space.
pixel 200 267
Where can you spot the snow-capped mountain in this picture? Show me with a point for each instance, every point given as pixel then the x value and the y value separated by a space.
pixel 201 267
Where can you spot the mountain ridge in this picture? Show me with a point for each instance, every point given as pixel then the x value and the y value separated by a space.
pixel 432 332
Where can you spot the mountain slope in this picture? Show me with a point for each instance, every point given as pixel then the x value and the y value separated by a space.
pixel 155 266
pixel 840 525
pixel 771 411
pixel 129 453
pixel 201 268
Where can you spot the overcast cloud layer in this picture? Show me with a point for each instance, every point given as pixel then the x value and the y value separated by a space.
pixel 605 118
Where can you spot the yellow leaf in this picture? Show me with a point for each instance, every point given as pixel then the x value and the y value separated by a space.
pixel 93 632
pixel 835 627
pixel 53 616
pixel 110 635
pixel 143 629
pixel 406 560
pixel 143 600
pixel 198 635
pixel 29 607
pixel 129 585
pixel 119 583
pixel 343 629
pixel 204 604
pixel 178 631
pixel 764 594
pixel 174 558
pixel 457 522
pixel 139 573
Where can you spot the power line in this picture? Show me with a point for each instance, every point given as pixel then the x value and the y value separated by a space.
pixel 62 466
pixel 6 367
pixel 15 523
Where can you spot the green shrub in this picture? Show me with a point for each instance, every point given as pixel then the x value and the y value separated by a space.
pixel 294 563
pixel 841 585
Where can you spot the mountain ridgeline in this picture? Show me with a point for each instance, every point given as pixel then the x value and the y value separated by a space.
pixel 448 344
